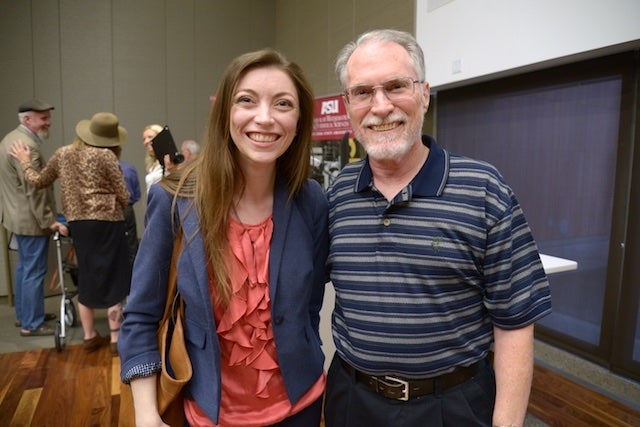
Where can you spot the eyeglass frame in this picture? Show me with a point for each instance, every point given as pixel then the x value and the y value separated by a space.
pixel 373 88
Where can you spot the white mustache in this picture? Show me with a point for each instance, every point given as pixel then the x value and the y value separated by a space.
pixel 377 121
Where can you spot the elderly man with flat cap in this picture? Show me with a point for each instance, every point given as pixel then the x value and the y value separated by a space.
pixel 30 214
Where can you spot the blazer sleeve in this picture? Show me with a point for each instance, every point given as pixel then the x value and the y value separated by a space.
pixel 138 345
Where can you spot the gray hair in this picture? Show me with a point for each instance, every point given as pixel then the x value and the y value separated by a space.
pixel 402 38
pixel 22 115
pixel 192 146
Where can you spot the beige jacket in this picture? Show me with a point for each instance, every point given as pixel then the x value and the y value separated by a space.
pixel 23 208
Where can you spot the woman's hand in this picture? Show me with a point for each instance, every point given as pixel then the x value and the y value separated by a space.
pixel 20 151
pixel 168 164
pixel 144 402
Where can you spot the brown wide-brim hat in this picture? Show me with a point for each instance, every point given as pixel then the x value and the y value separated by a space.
pixel 103 130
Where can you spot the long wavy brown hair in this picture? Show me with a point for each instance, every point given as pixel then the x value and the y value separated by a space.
pixel 215 176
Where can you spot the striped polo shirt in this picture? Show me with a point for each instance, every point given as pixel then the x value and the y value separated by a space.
pixel 420 281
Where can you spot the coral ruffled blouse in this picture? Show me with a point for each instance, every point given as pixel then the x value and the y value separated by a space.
pixel 253 390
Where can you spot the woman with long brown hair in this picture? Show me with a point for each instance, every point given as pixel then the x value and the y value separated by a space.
pixel 251 271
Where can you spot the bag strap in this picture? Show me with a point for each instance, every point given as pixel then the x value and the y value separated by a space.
pixel 172 285
pixel 176 366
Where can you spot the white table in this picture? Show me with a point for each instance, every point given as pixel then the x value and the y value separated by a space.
pixel 554 264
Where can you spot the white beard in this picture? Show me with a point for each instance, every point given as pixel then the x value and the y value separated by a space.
pixel 43 134
pixel 389 145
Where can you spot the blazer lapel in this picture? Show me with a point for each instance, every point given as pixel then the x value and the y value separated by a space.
pixel 281 214
pixel 282 209
pixel 194 246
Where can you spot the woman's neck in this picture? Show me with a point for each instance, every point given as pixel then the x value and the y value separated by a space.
pixel 255 203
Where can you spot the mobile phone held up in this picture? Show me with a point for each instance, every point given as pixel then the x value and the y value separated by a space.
pixel 163 144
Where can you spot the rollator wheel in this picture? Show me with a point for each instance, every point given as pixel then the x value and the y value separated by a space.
pixel 70 316
pixel 58 337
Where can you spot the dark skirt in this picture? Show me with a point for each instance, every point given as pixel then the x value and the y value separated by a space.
pixel 104 270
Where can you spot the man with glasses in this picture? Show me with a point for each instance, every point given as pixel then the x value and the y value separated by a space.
pixel 432 260
pixel 29 214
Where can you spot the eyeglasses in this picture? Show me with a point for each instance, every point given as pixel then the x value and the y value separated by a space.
pixel 395 90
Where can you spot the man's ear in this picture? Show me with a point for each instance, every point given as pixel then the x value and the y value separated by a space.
pixel 426 93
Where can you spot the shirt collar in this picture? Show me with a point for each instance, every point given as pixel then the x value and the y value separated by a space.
pixel 430 180
pixel 35 136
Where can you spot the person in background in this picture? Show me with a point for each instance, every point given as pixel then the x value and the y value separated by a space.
pixel 94 196
pixel 133 186
pixel 256 252
pixel 30 214
pixel 190 150
pixel 432 261
pixel 154 171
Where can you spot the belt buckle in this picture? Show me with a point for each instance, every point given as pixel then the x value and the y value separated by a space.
pixel 398 381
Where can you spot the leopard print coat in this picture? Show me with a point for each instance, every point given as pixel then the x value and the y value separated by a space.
pixel 92 185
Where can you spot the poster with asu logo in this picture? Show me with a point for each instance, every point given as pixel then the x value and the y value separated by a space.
pixel 333 141
pixel 330 121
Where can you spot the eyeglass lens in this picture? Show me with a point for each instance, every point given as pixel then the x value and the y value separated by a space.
pixel 394 89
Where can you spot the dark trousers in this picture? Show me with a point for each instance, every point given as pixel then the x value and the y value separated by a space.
pixel 131 232
pixel 349 403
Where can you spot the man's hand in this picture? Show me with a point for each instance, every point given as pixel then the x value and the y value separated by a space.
pixel 60 227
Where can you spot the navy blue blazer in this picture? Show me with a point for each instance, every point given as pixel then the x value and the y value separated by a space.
pixel 299 248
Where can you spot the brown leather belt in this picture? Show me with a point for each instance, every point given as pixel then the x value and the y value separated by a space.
pixel 406 389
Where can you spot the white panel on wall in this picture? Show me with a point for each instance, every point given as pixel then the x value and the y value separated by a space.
pixel 468 39
pixel 434 4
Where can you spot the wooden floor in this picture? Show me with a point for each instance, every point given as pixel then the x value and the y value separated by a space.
pixel 70 388
pixel 67 388
pixel 562 402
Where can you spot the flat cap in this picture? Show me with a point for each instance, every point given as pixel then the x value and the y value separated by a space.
pixel 34 105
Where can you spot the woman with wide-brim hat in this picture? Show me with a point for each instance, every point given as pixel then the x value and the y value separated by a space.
pixel 93 194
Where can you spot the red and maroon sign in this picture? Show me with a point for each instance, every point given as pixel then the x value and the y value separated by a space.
pixel 330 121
